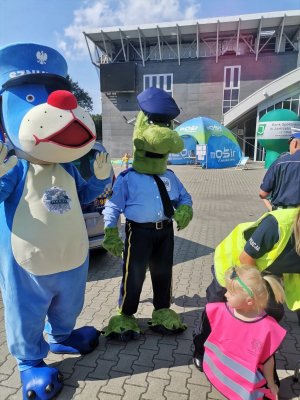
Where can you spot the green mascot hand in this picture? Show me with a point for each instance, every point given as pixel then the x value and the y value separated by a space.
pixel 112 242
pixel 183 215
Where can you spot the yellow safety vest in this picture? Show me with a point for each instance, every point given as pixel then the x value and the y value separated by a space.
pixel 227 253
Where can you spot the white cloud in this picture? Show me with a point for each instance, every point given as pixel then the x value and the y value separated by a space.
pixel 97 14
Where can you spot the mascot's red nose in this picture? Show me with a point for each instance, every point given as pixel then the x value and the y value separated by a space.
pixel 62 99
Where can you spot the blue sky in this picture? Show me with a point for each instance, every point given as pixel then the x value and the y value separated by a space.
pixel 60 23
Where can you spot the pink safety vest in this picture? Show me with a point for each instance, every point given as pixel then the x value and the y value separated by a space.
pixel 236 350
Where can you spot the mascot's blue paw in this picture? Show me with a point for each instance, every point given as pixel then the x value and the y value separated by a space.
pixel 81 341
pixel 41 382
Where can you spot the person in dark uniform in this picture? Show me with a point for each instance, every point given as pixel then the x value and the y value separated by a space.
pixel 281 184
pixel 150 196
pixel 272 244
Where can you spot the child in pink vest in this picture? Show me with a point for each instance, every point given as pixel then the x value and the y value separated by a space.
pixel 239 352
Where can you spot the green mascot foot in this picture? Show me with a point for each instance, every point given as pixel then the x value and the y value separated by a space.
pixel 166 322
pixel 122 327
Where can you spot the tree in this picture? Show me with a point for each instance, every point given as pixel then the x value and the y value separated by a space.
pixel 84 99
pixel 97 118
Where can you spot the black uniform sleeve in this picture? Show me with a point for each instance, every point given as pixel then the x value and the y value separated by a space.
pixel 264 238
pixel 268 180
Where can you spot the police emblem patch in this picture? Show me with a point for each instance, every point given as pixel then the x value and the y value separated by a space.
pixel 56 200
pixel 41 57
pixel 167 183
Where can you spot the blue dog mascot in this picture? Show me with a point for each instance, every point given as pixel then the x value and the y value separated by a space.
pixel 44 243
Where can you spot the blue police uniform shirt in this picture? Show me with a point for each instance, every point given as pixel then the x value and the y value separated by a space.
pixel 282 180
pixel 262 239
pixel 137 197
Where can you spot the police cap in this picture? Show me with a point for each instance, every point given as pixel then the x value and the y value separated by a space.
pixel 30 63
pixel 158 105
pixel 295 134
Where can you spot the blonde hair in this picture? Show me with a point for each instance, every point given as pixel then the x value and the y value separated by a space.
pixel 255 282
pixel 297 233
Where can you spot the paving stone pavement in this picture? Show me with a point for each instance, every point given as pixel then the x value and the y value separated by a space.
pixel 160 367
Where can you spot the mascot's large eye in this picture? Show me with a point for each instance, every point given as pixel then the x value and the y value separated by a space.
pixel 30 98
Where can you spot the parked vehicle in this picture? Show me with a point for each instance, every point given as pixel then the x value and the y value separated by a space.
pixel 93 212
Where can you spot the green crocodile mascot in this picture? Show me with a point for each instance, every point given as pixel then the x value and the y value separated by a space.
pixel 150 196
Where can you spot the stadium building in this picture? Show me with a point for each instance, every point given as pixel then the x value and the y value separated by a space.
pixel 231 69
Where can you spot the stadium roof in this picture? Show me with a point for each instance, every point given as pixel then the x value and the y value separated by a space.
pixel 206 26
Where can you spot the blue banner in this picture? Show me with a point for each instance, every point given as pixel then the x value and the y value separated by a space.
pixel 222 152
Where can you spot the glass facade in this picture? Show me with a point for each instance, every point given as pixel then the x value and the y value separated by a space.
pixel 291 103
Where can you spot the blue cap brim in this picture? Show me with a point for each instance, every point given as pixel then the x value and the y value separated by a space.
pixel 295 135
pixel 295 132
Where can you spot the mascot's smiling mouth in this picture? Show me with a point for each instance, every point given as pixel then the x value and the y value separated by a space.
pixel 154 155
pixel 73 135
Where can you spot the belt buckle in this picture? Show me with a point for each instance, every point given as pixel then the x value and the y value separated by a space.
pixel 159 225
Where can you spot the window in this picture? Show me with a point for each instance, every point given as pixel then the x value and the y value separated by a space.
pixel 290 103
pixel 231 87
pixel 161 81
pixel 295 105
pixel 262 113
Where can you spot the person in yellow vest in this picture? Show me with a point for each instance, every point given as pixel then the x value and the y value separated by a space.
pixel 272 244
pixel 125 160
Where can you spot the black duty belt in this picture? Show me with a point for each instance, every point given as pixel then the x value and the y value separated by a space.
pixel 151 225
pixel 284 207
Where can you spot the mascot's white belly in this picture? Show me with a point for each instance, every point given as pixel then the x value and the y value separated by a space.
pixel 48 231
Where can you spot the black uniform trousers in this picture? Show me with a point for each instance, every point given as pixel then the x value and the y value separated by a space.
pixel 147 245
pixel 216 293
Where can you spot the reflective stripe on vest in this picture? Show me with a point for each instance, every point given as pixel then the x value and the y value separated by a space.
pixel 240 369
pixel 227 253
pixel 232 385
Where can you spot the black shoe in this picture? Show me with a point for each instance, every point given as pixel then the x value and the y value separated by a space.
pixel 165 331
pixel 124 336
pixel 198 362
